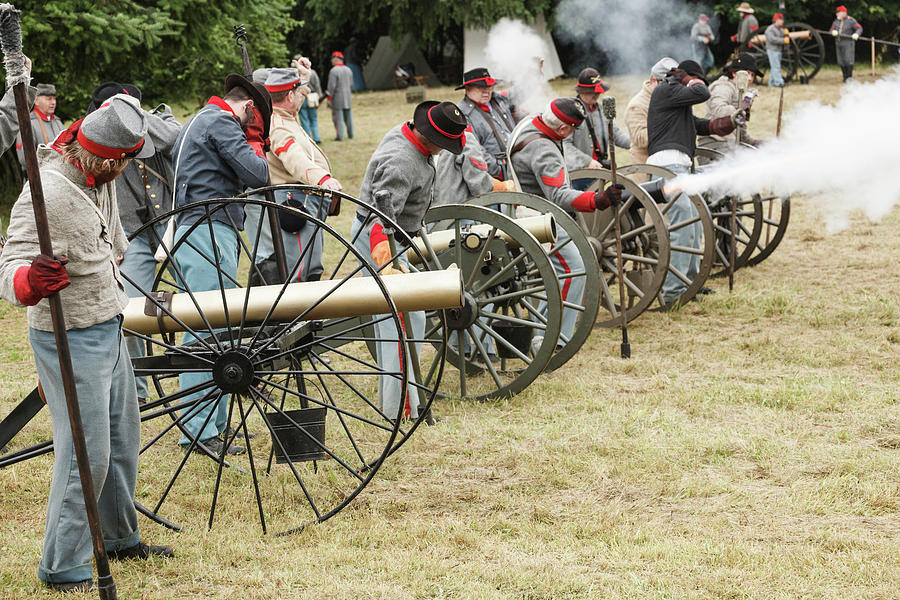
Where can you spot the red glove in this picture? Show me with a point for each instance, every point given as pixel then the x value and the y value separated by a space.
pixel 723 125
pixel 45 277
pixel 734 38
pixel 255 128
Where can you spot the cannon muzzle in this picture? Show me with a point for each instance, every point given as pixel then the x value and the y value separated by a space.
pixel 332 299
pixel 542 227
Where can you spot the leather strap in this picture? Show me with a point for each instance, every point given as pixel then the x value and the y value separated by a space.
pixel 524 142
pixel 159 309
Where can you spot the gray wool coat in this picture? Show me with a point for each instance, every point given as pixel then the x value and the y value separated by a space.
pixel 462 176
pixel 579 147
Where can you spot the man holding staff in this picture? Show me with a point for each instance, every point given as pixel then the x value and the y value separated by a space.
pixel 77 174
pixel 845 30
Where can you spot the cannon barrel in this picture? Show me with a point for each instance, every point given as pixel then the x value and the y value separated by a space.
pixel 760 39
pixel 354 297
pixel 542 227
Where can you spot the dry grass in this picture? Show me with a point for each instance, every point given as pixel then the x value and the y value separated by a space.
pixel 749 449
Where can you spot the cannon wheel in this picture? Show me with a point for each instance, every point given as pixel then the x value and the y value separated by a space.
pixel 707 250
pixel 503 288
pixel 645 242
pixel 321 434
pixel 590 303
pixel 802 58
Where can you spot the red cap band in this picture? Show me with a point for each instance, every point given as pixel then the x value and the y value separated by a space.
pixel 489 81
pixel 337 54
pixel 105 151
pixel 777 16
pixel 841 8
pixel 283 87
pixel 441 131
pixel 563 116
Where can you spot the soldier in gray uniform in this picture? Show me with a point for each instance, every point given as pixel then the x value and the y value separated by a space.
pixel 143 192
pixel 588 147
pixel 340 86
pixel 539 167
pixel 845 31
pixel 491 116
pixel 701 37
pixel 45 125
pixel 465 175
pixel 748 27
pixel 774 49
pixel 402 167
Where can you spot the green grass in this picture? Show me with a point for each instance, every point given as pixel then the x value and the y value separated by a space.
pixel 749 449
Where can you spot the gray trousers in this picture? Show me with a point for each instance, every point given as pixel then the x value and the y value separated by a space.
pixel 104 382
pixel 686 264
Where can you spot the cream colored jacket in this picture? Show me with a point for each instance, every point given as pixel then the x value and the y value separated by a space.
pixel 293 156
pixel 636 121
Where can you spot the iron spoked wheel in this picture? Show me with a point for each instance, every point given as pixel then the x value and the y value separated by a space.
pixel 586 309
pixel 511 297
pixel 776 214
pixel 749 221
pixel 300 379
pixel 645 246
pixel 806 55
pixel 706 250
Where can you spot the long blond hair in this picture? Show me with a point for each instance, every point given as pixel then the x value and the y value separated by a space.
pixel 92 164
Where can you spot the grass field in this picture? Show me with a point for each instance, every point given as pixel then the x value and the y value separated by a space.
pixel 749 449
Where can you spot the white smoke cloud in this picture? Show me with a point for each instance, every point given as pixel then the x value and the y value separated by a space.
pixel 513 54
pixel 633 34
pixel 846 155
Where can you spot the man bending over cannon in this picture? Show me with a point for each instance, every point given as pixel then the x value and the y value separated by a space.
pixel 401 174
pixel 77 173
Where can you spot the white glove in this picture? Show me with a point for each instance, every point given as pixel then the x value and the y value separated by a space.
pixel 332 184
pixel 855 36
pixel 834 32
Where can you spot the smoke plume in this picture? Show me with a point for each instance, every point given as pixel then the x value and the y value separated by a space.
pixel 513 54
pixel 845 155
pixel 629 35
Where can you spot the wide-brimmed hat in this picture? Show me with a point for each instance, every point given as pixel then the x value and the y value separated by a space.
pixel 117 130
pixel 744 62
pixel 568 110
pixel 478 76
pixel 45 89
pixel 693 68
pixel 282 80
pixel 441 123
pixel 108 89
pixel 589 82
pixel 258 93
pixel 745 7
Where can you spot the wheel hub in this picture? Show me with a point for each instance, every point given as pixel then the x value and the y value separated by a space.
pixel 464 316
pixel 233 372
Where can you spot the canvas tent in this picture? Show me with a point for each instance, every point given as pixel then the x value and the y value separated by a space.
pixel 475 42
pixel 379 69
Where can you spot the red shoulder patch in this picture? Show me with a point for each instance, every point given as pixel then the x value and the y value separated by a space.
pixel 555 181
pixel 478 163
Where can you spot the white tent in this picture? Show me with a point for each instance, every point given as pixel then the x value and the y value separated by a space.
pixel 475 43
pixel 379 69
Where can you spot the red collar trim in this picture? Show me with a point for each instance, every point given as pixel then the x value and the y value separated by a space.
pixel 408 134
pixel 542 127
pixel 591 108
pixel 42 116
pixel 340 64
pixel 216 101
pixel 485 107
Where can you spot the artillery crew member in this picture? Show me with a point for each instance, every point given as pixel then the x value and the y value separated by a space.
pixel 143 192
pixel 539 167
pixel 846 30
pixel 748 27
pixel 672 132
pixel 218 154
pixel 774 49
pixel 463 176
pixel 338 91
pixel 588 146
pixel 402 172
pixel 293 158
pixel 491 117
pixel 636 111
pixel 725 100
pixel 45 125
pixel 83 218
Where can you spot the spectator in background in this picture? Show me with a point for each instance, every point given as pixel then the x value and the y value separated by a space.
pixel 340 86
pixel 44 123
pixel 701 37
pixel 309 110
pixel 748 27
pixel 846 31
pixel 774 49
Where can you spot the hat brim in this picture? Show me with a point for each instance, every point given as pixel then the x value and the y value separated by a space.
pixel 479 83
pixel 148 149
pixel 260 96
pixel 423 126
pixel 748 11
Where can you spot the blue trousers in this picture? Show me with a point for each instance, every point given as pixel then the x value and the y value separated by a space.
pixel 140 265
pixel 309 121
pixel 339 116
pixel 775 78
pixel 104 382
pixel 387 353
pixel 687 264
pixel 200 273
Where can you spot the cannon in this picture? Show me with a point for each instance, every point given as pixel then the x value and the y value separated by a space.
pixel 803 56
pixel 292 360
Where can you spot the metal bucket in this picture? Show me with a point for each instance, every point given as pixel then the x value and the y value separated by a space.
pixel 297 438
pixel 519 337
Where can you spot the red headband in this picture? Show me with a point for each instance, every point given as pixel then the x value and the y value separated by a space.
pixel 563 116
pixel 441 131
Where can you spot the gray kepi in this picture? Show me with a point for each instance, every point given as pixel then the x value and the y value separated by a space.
pixel 117 129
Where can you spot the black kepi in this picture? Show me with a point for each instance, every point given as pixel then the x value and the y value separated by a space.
pixel 693 68
pixel 589 82
pixel 441 123
pixel 479 76
pixel 744 62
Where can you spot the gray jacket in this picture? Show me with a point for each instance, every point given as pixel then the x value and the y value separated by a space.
pixel 747 29
pixel 462 176
pixel 845 46
pixel 502 118
pixel 340 85
pixel 403 170
pixel 9 119
pixel 579 146
pixel 156 172
pixel 541 168
pixel 699 34
pixel 88 233
pixel 775 38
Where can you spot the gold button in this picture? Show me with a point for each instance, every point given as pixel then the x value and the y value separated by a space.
pixel 153 195
pixel 147 186
pixel 140 166
pixel 122 155
pixel 156 206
